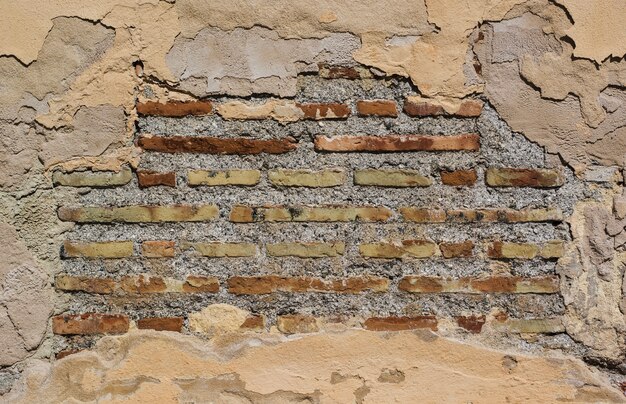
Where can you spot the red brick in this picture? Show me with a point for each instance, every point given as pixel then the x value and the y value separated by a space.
pixel 385 108
pixel 89 323
pixel 473 324
pixel 175 108
pixel 459 178
pixel 161 323
pixel 258 285
pixel 254 322
pixel 215 145
pixel 147 179
pixel 324 111
pixel 400 323
pixel 457 250
pixel 397 143
pixel 524 177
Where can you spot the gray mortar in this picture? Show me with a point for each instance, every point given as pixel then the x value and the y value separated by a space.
pixel 499 148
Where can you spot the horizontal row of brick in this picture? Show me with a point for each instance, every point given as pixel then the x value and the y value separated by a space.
pixel 301 213
pixel 332 177
pixel 266 284
pixel 398 249
pixel 97 323
pixel 289 110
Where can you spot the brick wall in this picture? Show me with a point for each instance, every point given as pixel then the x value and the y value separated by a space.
pixel 357 202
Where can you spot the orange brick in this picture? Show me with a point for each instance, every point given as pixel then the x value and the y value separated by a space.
pixel 492 284
pixel 143 284
pixel 524 177
pixel 147 179
pixel 324 111
pixel 161 323
pixel 457 250
pixel 459 178
pixel 254 322
pixel 174 108
pixel 419 107
pixel 201 284
pixel 158 249
pixel 67 352
pixel 385 108
pixel 89 323
pixel 397 143
pixel 400 323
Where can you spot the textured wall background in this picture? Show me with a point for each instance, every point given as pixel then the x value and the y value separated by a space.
pixel 74 77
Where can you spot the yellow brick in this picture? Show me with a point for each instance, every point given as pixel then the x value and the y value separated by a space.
pixel 326 214
pixel 139 214
pixel 93 178
pixel 227 177
pixel 391 178
pixel 106 249
pixel 552 249
pixel 221 250
pixel 406 248
pixel 306 250
pixel 307 178
pixel 531 326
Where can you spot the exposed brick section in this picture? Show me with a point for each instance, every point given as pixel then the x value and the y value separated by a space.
pixel 139 214
pixel 104 249
pixel 158 249
pixel 381 108
pixel 227 177
pixel 221 249
pixel 493 284
pixel 400 323
pixel 390 178
pixel 95 179
pixel 84 284
pixel 89 323
pixel 397 143
pixel 459 178
pixel 296 324
pixel 424 215
pixel 307 178
pixel 531 326
pixel 419 107
pixel 161 324
pixel 215 145
pixel 457 250
pixel 175 108
pixel 324 111
pixel 259 285
pixel 401 249
pixel 502 250
pixel 143 284
pixel 248 214
pixel 254 322
pixel 306 250
pixel 524 177
pixel 473 324
pixel 201 284
pixel 147 179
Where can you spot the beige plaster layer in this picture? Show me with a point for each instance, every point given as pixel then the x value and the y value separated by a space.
pixel 353 366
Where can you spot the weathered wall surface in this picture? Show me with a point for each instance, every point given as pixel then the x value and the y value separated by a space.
pixel 551 75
